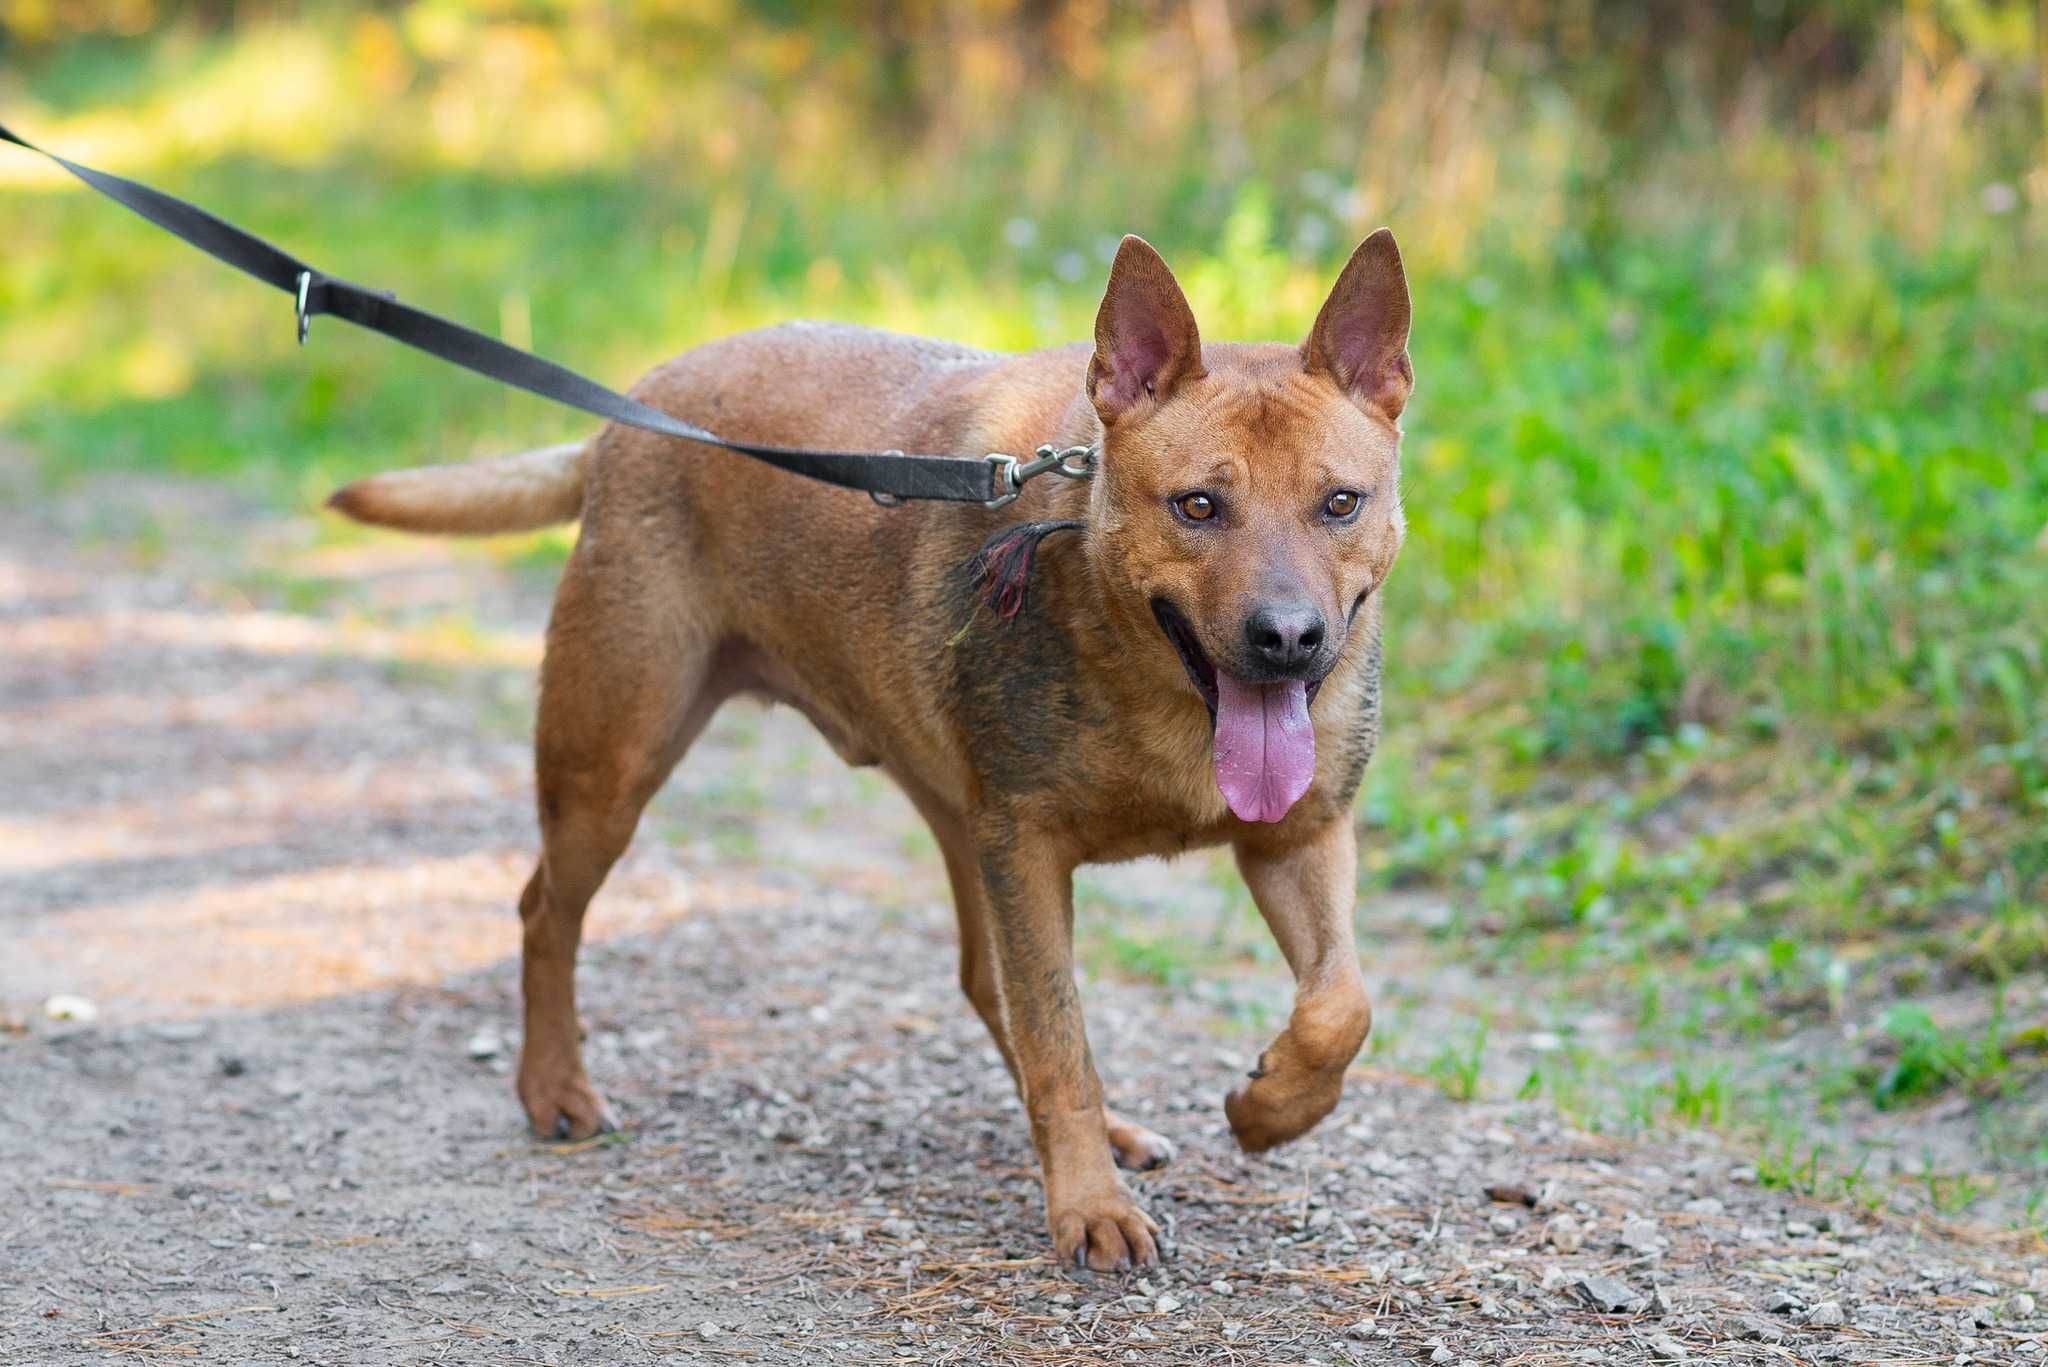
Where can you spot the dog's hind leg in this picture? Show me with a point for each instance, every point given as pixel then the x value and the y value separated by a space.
pixel 1135 1147
pixel 628 682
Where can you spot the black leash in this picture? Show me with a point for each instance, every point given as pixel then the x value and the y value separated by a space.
pixel 889 476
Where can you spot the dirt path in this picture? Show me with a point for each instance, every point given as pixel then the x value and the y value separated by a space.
pixel 277 852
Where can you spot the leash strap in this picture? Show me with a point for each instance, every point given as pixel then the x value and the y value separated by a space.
pixel 889 475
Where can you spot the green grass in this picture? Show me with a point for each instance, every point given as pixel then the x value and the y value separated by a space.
pixel 1717 685
pixel 1930 1058
pixel 1457 1066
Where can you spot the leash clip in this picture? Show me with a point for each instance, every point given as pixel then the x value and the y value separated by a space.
pixel 305 293
pixel 1068 462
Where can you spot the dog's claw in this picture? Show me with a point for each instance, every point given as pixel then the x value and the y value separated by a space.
pixel 1107 1235
pixel 564 1106
pixel 1137 1149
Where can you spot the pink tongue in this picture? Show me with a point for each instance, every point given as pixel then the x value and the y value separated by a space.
pixel 1265 747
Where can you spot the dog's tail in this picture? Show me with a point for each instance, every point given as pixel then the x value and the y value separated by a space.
pixel 516 493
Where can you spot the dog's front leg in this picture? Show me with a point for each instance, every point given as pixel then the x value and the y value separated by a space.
pixel 1095 1222
pixel 1306 890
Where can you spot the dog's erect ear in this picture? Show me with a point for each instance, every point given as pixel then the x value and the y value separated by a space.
pixel 1361 337
pixel 1145 338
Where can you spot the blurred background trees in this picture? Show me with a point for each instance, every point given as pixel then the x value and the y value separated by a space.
pixel 1442 112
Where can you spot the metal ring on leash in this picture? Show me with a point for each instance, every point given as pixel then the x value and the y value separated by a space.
pixel 305 291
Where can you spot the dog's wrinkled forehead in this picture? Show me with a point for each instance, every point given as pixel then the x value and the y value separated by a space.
pixel 1259 420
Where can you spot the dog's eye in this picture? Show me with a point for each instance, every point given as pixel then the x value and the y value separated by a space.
pixel 1195 507
pixel 1341 506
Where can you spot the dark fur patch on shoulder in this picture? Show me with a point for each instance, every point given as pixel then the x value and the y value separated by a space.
pixel 1001 570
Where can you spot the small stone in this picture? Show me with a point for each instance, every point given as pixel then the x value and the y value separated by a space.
pixel 1364 1329
pixel 1441 1354
pixel 1826 1315
pixel 1668 1348
pixel 1503 1223
pixel 1783 1303
pixel 1799 1229
pixel 484 1044
pixel 1640 1235
pixel 1166 1305
pixel 1222 1288
pixel 1706 1205
pixel 66 1006
pixel 478 1249
pixel 1763 1331
pixel 896 1227
pixel 1608 1295
pixel 709 1330
pixel 179 1032
pixel 851 1234
pixel 1564 1233
pixel 2019 1306
pixel 1555 1278
pixel 230 1066
pixel 279 1194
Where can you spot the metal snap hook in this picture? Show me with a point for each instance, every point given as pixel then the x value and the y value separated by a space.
pixel 305 292
pixel 1072 462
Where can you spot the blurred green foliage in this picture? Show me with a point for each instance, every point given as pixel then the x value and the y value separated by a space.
pixel 1717 667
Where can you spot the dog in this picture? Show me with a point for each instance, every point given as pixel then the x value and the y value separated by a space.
pixel 1191 659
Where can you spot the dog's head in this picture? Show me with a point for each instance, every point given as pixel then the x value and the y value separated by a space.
pixel 1248 500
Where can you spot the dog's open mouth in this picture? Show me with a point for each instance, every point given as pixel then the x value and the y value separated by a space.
pixel 1264 747
pixel 1192 656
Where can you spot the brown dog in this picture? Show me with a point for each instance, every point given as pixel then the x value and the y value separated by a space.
pixel 1198 664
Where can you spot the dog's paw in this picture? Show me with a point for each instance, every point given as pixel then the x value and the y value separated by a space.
pixel 564 1105
pixel 1108 1233
pixel 1276 1107
pixel 1136 1148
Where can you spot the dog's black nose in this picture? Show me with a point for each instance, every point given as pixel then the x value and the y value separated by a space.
pixel 1284 637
